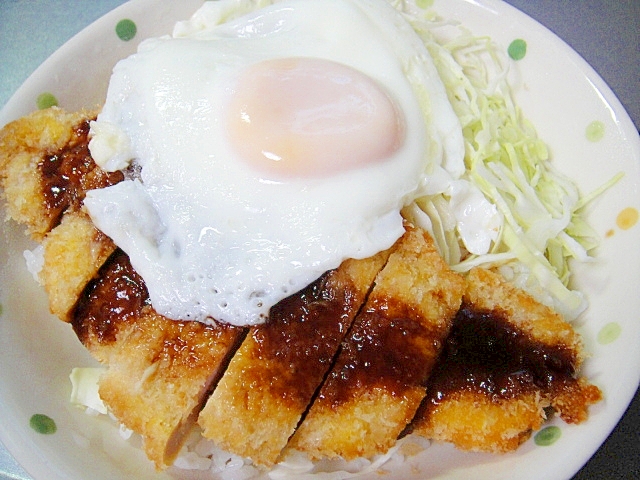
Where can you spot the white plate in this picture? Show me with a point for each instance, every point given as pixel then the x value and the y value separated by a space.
pixel 557 91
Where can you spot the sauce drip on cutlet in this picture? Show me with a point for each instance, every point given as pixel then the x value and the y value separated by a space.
pixel 385 349
pixel 300 338
pixel 302 335
pixel 115 295
pixel 486 354
pixel 69 172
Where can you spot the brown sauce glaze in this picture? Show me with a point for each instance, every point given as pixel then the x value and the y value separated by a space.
pixel 388 347
pixel 486 354
pixel 302 335
pixel 68 173
pixel 115 295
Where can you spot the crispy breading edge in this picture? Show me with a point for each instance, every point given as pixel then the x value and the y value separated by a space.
pixel 250 419
pixel 18 152
pixel 23 143
pixel 475 422
pixel 371 419
pixel 74 250
pixel 159 390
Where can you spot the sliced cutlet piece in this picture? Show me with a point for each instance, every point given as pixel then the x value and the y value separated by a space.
pixel 378 380
pixel 73 253
pixel 508 358
pixel 45 167
pixel 45 170
pixel 159 370
pixel 272 377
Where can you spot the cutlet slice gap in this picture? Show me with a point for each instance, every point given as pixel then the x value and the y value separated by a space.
pixel 378 380
pixel 507 360
pixel 73 253
pixel 273 376
pixel 45 171
pixel 160 371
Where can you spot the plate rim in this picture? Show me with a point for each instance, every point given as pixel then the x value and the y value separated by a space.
pixel 589 72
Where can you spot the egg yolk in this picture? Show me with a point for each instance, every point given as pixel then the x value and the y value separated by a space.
pixel 308 117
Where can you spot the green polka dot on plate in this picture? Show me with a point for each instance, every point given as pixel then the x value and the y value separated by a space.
pixel 46 100
pixel 0 309
pixel 594 131
pixel 547 436
pixel 126 29
pixel 424 4
pixel 43 424
pixel 609 333
pixel 517 49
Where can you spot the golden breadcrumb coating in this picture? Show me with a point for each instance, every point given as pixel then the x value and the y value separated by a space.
pixel 157 382
pixel 23 145
pixel 476 422
pixel 271 379
pixel 488 290
pixel 364 354
pixel 379 379
pixel 571 397
pixel 499 410
pixel 159 370
pixel 74 251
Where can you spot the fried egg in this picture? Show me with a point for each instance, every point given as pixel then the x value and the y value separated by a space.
pixel 266 149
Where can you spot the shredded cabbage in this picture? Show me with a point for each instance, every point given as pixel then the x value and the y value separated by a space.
pixel 84 389
pixel 544 224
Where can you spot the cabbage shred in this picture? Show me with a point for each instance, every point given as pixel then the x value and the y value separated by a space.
pixel 544 225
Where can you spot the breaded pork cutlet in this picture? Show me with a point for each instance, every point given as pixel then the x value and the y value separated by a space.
pixel 272 377
pixel 507 360
pixel 46 167
pixel 160 371
pixel 45 170
pixel 73 252
pixel 379 378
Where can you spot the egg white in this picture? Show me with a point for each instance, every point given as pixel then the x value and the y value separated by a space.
pixel 216 239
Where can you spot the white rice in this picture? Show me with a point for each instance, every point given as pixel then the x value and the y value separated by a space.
pixel 205 460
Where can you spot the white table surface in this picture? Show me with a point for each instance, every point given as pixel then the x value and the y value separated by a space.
pixel 606 33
